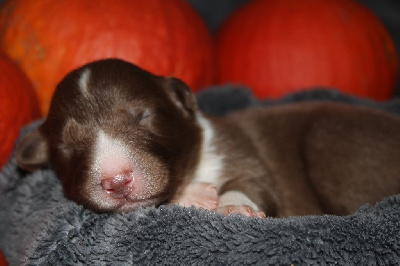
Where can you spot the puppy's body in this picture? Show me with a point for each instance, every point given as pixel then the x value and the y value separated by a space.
pixel 317 157
pixel 120 137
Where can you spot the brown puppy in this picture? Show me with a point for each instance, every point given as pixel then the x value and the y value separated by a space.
pixel 119 138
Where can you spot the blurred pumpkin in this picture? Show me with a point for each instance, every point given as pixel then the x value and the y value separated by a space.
pixel 18 105
pixel 281 46
pixel 50 38
pixel 3 261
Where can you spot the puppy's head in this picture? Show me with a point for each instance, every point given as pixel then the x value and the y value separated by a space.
pixel 117 136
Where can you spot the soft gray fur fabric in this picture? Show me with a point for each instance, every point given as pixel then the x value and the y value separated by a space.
pixel 38 226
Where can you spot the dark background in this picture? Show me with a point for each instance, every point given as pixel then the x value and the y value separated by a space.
pixel 214 12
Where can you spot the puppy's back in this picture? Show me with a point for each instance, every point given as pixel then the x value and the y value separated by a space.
pixel 326 157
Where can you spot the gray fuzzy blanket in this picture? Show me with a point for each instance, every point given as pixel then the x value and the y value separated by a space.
pixel 38 226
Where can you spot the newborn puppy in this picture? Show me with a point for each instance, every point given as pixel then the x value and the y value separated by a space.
pixel 120 137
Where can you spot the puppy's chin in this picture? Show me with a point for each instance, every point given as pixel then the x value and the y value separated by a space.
pixel 107 204
pixel 129 206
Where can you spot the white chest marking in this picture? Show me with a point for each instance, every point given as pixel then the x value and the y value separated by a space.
pixel 210 164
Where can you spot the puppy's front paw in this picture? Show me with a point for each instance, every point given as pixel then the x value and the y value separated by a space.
pixel 245 210
pixel 200 195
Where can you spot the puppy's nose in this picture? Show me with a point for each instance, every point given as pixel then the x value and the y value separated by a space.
pixel 118 186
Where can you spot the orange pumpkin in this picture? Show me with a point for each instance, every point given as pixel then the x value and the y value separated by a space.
pixel 49 38
pixel 18 105
pixel 282 46
pixel 3 261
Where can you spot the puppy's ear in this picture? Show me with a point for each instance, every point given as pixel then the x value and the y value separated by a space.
pixel 182 96
pixel 32 152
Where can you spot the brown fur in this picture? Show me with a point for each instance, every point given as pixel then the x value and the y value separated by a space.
pixel 116 104
pixel 320 157
pixel 308 158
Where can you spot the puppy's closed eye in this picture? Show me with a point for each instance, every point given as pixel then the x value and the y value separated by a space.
pixel 141 116
pixel 146 116
pixel 74 136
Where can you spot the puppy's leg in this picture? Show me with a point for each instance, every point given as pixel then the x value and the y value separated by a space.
pixel 199 195
pixel 204 195
pixel 236 202
pixel 252 194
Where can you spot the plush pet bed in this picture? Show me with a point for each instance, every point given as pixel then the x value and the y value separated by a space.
pixel 38 226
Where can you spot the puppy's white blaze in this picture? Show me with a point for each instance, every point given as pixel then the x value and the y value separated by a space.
pixel 84 82
pixel 210 163
pixel 111 156
pixel 236 198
